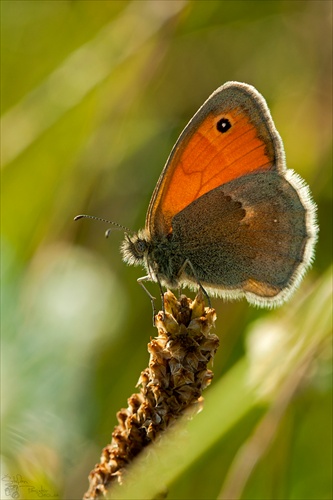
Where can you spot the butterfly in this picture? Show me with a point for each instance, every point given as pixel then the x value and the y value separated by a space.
pixel 226 214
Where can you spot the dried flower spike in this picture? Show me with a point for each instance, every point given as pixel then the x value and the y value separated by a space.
pixel 170 386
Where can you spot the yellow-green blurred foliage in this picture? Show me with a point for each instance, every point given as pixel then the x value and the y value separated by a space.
pixel 94 95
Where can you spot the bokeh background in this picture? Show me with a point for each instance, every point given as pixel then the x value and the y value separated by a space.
pixel 94 95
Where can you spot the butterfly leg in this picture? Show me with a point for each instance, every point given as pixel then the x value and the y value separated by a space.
pixel 162 295
pixel 152 298
pixel 179 291
pixel 182 269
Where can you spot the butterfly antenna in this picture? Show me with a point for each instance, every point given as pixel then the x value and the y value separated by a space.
pixel 108 231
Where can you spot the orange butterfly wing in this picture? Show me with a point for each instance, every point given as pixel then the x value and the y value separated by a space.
pixel 204 158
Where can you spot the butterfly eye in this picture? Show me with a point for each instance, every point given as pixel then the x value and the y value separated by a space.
pixel 223 125
pixel 140 246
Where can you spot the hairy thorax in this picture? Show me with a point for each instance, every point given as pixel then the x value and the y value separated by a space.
pixel 162 258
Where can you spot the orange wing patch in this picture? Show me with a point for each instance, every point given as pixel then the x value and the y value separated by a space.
pixel 208 158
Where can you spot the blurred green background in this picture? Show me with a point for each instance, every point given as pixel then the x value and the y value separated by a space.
pixel 94 95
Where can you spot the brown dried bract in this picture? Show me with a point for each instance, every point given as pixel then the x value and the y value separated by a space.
pixel 170 386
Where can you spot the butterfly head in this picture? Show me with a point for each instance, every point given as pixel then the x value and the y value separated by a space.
pixel 135 248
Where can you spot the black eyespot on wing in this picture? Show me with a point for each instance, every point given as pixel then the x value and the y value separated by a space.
pixel 223 125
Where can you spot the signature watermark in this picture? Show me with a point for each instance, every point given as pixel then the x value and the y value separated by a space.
pixel 15 487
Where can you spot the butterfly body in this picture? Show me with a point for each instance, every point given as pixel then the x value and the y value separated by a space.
pixel 226 213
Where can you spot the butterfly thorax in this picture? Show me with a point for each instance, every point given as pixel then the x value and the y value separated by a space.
pixel 161 256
